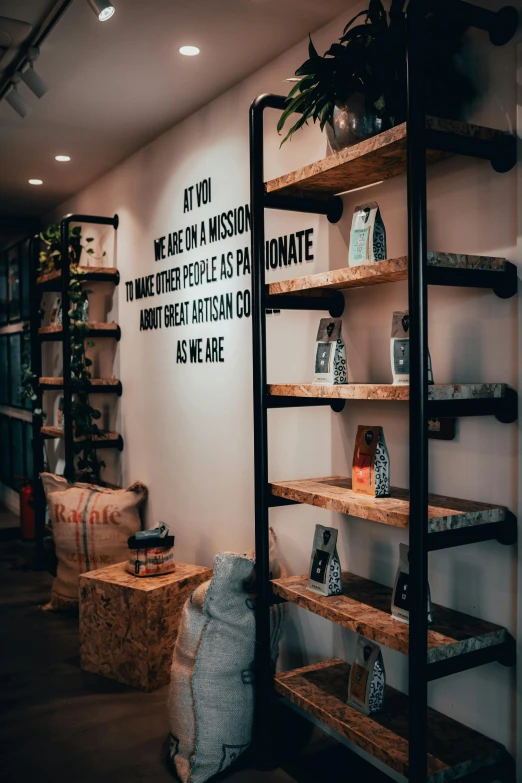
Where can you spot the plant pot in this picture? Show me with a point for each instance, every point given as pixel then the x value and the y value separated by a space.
pixel 352 124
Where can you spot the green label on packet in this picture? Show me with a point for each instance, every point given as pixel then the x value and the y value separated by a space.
pixel 359 244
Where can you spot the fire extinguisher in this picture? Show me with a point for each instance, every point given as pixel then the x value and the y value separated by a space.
pixel 27 530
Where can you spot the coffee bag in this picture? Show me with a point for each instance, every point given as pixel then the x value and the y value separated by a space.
pixel 368 235
pixel 330 353
pixel 371 463
pixel 401 593
pixel 325 567
pixel 400 350
pixel 367 677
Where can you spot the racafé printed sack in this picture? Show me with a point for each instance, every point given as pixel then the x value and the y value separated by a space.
pixel 90 526
pixel 330 353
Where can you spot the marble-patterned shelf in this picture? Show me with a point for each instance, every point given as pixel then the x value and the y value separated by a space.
pixel 364 607
pixel 103 437
pixel 52 281
pixel 454 750
pixel 387 391
pixel 335 493
pixel 389 271
pixel 367 163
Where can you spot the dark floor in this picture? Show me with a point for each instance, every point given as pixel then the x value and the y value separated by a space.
pixel 58 723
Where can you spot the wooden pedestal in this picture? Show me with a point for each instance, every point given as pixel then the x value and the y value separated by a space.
pixel 128 624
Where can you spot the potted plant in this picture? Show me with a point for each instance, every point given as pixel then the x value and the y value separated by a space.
pixel 358 88
pixel 51 256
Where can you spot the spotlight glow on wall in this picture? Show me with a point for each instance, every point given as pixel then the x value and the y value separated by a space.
pixel 102 9
pixel 36 182
pixel 189 51
pixel 15 100
pixel 62 158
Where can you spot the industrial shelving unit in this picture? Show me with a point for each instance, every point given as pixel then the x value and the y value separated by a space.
pixel 407 736
pixel 59 281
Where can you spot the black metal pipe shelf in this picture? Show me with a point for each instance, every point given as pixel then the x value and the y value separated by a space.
pixel 315 189
pixel 58 336
pixel 60 281
pixel 113 388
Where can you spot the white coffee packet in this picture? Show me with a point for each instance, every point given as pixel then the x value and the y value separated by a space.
pixel 325 568
pixel 367 682
pixel 400 350
pixel 368 235
pixel 330 353
pixel 400 607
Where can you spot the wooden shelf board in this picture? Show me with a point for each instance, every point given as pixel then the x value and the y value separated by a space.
pixel 57 432
pixel 454 750
pixel 87 271
pixel 371 161
pixel 364 607
pixel 93 326
pixel 387 391
pixel 389 271
pixel 94 382
pixel 335 493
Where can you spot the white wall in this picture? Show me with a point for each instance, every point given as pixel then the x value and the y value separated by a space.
pixel 188 428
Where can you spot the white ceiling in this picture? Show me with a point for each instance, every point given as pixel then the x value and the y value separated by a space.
pixel 116 85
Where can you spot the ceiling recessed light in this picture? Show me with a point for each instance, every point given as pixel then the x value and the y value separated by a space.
pixel 62 158
pixel 189 51
pixel 36 182
pixel 293 79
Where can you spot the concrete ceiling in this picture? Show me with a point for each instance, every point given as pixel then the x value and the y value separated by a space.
pixel 116 85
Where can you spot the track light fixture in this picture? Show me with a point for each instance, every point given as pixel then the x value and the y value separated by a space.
pixel 102 9
pixel 35 83
pixel 15 100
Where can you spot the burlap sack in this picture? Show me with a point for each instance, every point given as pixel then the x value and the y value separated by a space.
pixel 91 526
pixel 211 696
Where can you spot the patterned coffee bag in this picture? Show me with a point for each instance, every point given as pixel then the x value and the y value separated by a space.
pixel 330 353
pixel 367 677
pixel 368 235
pixel 371 463
pixel 400 350
pixel 401 589
pixel 325 567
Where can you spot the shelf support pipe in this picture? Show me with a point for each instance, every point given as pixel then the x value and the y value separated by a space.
pixel 264 693
pixel 418 441
pixel 69 471
pixel 37 440
pixel 501 25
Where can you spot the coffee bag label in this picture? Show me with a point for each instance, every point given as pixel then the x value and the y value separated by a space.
pixel 371 463
pixel 325 568
pixel 330 353
pixel 367 236
pixel 400 349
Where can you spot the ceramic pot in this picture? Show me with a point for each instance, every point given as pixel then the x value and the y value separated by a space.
pixel 352 124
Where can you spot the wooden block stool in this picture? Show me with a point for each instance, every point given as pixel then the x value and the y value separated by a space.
pixel 128 624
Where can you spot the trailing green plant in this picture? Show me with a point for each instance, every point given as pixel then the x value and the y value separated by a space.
pixel 370 59
pixel 83 415
pixel 51 256
pixel 27 389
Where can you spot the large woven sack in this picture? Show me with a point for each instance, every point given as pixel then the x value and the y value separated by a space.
pixel 91 526
pixel 211 696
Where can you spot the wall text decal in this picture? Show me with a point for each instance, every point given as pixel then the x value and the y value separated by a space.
pixel 207 269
